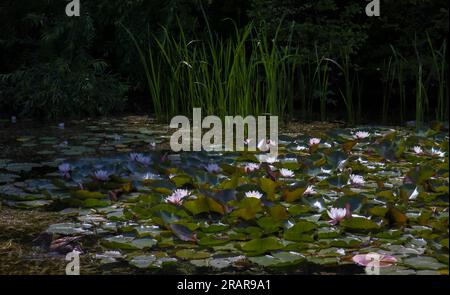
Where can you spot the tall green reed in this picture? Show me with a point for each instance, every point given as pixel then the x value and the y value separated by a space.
pixel 440 72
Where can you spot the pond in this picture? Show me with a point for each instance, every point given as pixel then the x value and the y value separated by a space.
pixel 112 190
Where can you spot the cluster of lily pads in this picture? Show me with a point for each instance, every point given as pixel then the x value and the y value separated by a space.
pixel 328 202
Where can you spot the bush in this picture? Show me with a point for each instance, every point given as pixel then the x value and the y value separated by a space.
pixel 54 90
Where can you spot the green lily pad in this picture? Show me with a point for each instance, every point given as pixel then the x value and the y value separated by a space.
pixel 359 224
pixel 424 263
pixel 280 259
pixel 262 245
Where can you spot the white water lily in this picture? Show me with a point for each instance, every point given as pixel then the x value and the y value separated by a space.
pixel 314 141
pixel 268 159
pixel 61 125
pixel 436 152
pixel 337 215
pixel 177 197
pixel 101 175
pixel 213 168
pixel 286 172
pixel 319 206
pixel 253 194
pixel 356 179
pixel 301 148
pixel 361 135
pixel 251 167
pixel 418 150
pixel 309 191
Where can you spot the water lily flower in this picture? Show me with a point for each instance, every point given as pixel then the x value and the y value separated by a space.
pixel 251 167
pixel 247 141
pixel 268 159
pixel 378 260
pixel 314 141
pixel 213 168
pixel 65 169
pixel 61 125
pixel 143 160
pixel 152 145
pixel 361 135
pixel 177 197
pixel 356 179
pixel 264 145
pixel 286 172
pixel 436 152
pixel 337 215
pixel 418 150
pixel 14 119
pixel 253 194
pixel 101 175
pixel 309 191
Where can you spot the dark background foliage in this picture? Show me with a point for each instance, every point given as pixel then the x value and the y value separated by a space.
pixel 52 65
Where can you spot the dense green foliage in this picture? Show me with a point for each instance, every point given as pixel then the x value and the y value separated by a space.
pixel 329 58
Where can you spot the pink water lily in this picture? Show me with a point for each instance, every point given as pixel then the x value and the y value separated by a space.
pixel 418 150
pixel 309 191
pixel 251 167
pixel 177 197
pixel 314 141
pixel 356 180
pixel 337 215
pixel 101 175
pixel 378 260
pixel 362 134
pixel 264 145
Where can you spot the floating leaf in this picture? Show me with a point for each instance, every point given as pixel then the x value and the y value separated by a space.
pixel 262 245
pixel 183 233
pixel 359 224
pixel 280 259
